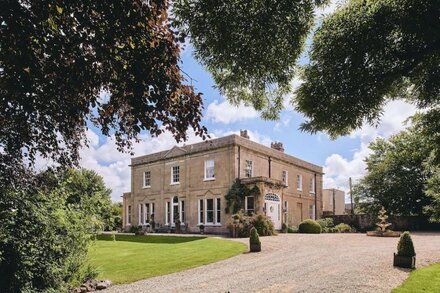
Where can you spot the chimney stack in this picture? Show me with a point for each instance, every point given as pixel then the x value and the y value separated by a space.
pixel 276 145
pixel 244 133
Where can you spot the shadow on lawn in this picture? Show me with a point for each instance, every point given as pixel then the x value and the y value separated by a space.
pixel 150 238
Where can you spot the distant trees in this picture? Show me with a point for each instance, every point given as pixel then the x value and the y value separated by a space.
pixel 402 176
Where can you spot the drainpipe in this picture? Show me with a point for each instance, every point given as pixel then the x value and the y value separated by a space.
pixel 334 203
pixel 239 163
pixel 316 199
pixel 270 168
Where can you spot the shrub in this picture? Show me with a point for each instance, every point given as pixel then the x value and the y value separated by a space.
pixel 330 230
pixel 137 230
pixel 292 229
pixel 326 223
pixel 309 226
pixel 343 228
pixel 245 223
pixel 284 228
pixel 43 243
pixel 405 246
pixel 254 238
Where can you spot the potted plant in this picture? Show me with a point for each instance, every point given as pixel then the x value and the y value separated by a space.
pixel 254 241
pixel 406 256
pixel 202 228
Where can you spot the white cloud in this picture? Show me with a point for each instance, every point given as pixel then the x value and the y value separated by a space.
pixel 338 169
pixel 227 113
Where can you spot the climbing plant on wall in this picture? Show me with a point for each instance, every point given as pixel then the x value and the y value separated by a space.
pixel 236 195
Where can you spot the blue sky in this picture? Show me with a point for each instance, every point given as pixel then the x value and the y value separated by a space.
pixel 341 158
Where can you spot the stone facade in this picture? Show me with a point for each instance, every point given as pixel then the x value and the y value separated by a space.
pixel 334 206
pixel 189 184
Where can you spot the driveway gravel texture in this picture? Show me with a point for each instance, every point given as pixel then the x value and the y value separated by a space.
pixel 301 263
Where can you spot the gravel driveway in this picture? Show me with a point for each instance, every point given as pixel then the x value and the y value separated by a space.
pixel 300 263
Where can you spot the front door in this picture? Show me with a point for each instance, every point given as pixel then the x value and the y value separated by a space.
pixel 272 205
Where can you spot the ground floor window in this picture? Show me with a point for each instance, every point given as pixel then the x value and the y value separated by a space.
pixel 249 204
pixel 148 213
pixel 174 211
pixel 129 214
pixel 209 211
pixel 141 214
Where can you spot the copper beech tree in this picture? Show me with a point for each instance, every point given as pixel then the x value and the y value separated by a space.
pixel 59 57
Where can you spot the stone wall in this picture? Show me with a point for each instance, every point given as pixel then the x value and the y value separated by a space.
pixel 364 222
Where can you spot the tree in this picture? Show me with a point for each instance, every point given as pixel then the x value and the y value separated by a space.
pixel 57 58
pixel 250 47
pixel 396 175
pixel 366 53
pixel 43 241
pixel 87 191
pixel 432 189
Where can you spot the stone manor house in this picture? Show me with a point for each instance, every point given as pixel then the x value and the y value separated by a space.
pixel 189 183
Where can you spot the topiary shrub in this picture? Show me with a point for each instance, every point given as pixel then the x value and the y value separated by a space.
pixel 343 228
pixel 254 238
pixel 254 241
pixel 309 226
pixel 405 246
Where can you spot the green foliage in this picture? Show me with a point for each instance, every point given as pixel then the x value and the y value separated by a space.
pixel 137 230
pixel 432 189
pixel 325 222
pixel 366 53
pixel 254 238
pixel 43 241
pixel 250 47
pixel 343 228
pixel 292 229
pixel 235 197
pixel 56 62
pixel 87 191
pixel 284 228
pixel 405 247
pixel 309 226
pixel 244 223
pixel 396 175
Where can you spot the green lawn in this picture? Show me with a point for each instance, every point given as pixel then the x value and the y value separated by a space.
pixel 422 280
pixel 132 258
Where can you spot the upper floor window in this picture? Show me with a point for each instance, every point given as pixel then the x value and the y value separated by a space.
pixel 209 169
pixel 312 185
pixel 285 178
pixel 147 179
pixel 299 182
pixel 175 174
pixel 248 169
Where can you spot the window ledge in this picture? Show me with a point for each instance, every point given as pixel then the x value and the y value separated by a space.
pixel 299 189
pixel 175 183
pixel 209 179
pixel 146 187
pixel 210 225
